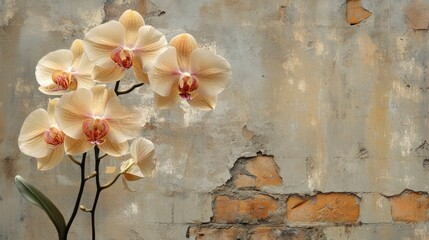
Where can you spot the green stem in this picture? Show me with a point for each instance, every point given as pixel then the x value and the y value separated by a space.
pixel 79 195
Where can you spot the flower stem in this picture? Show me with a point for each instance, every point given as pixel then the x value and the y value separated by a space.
pixel 117 86
pixel 130 89
pixel 99 189
pixel 74 160
pixel 116 178
pixel 79 195
pixel 118 92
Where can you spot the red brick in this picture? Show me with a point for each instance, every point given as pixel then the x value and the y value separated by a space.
pixel 275 233
pixel 205 233
pixel 355 12
pixel 410 207
pixel 330 207
pixel 265 170
pixel 250 210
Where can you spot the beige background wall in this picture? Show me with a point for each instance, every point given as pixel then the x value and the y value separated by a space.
pixel 342 108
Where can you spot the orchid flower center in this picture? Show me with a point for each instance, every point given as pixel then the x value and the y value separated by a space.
pixel 63 81
pixel 122 57
pixel 53 137
pixel 95 130
pixel 187 84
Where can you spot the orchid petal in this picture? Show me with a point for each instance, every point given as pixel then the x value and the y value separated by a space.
pixel 134 173
pixel 167 102
pixel 53 61
pixel 30 140
pixel 84 66
pixel 48 91
pixel 149 45
pixel 107 72
pixel 124 124
pixel 184 43
pixel 212 71
pixel 51 160
pixel 132 21
pixel 203 102
pixel 143 152
pixel 165 73
pixel 101 96
pixel 51 109
pixel 102 39
pixel 83 74
pixel 84 81
pixel 138 70
pixel 77 50
pixel 71 111
pixel 76 146
pixel 113 148
pixel 125 182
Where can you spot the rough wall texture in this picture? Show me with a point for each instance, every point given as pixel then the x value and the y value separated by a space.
pixel 336 91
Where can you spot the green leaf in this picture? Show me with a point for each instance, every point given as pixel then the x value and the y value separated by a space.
pixel 37 198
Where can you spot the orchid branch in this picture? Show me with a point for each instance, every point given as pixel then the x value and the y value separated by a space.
pixel 74 160
pixel 117 176
pixel 130 89
pixel 117 86
pixel 118 92
pixel 99 189
pixel 79 195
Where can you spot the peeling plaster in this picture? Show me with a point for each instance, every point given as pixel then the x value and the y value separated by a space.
pixel 7 12
pixel 341 107
pixel 418 15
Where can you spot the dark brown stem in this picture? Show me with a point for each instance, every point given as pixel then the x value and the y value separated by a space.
pixel 79 195
pixel 99 189
pixel 129 90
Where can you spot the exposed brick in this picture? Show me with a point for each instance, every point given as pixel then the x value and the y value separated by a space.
pixel 243 181
pixel 250 210
pixel 410 207
pixel 265 170
pixel 330 207
pixel 206 233
pixel 276 233
pixel 355 12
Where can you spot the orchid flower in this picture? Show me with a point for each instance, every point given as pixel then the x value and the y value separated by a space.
pixel 116 46
pixel 188 72
pixel 63 70
pixel 95 116
pixel 40 137
pixel 143 156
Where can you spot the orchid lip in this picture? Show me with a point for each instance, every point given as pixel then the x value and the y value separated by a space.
pixel 54 137
pixel 62 81
pixel 123 57
pixel 187 84
pixel 95 130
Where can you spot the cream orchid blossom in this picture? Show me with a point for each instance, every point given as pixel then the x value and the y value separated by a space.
pixel 143 157
pixel 116 46
pixel 95 116
pixel 40 137
pixel 63 70
pixel 188 72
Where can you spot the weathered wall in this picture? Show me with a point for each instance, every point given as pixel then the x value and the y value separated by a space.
pixel 336 91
